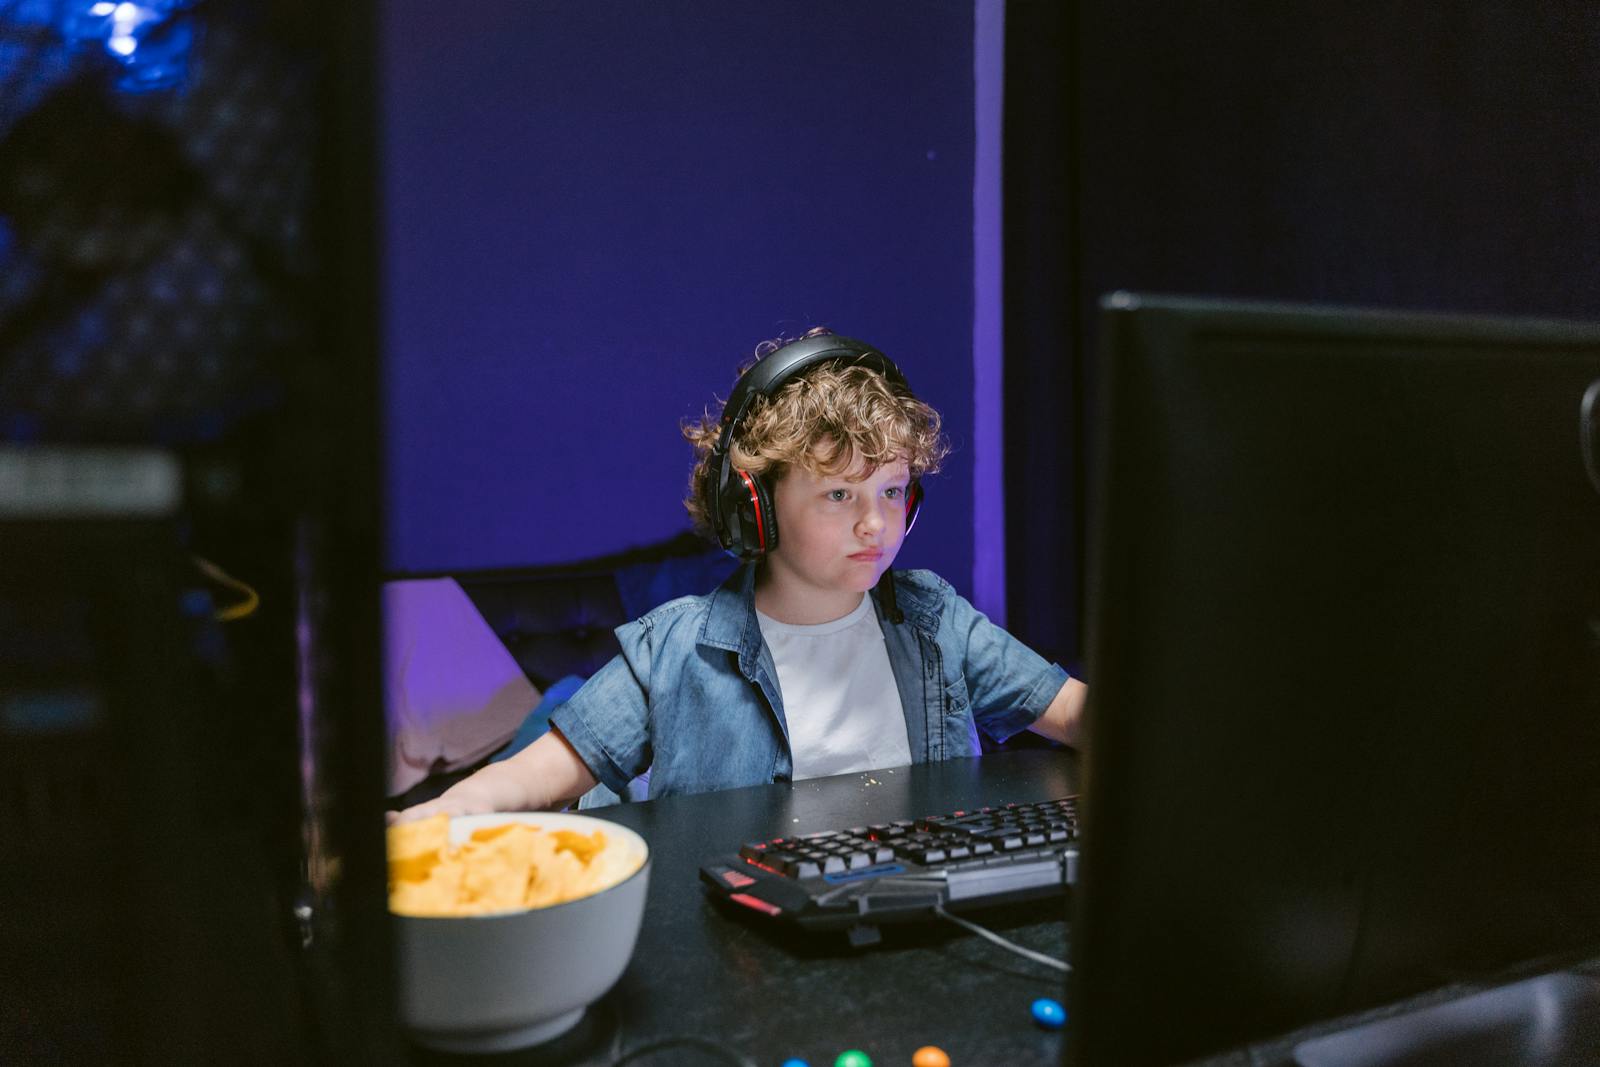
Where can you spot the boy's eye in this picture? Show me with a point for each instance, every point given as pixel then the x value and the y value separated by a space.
pixel 838 495
pixel 895 492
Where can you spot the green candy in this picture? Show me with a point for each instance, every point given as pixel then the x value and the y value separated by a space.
pixel 853 1058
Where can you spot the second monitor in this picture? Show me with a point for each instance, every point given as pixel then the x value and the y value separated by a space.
pixel 1344 722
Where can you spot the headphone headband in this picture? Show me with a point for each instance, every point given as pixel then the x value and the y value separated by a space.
pixel 775 370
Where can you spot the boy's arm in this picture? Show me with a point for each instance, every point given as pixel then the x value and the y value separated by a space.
pixel 546 774
pixel 1063 719
pixel 1008 681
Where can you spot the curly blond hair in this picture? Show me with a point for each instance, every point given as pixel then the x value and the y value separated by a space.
pixel 826 420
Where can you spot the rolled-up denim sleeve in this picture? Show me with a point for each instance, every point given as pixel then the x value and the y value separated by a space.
pixel 608 720
pixel 1010 685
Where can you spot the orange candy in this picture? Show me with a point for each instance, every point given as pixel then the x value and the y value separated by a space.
pixel 930 1056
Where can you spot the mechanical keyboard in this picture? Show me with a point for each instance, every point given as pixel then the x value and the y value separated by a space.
pixel 902 871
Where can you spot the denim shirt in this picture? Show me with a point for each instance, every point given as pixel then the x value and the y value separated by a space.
pixel 694 697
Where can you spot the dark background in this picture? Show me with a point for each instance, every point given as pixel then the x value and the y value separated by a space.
pixel 594 212
pixel 1439 157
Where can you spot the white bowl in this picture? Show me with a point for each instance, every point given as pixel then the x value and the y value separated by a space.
pixel 489 983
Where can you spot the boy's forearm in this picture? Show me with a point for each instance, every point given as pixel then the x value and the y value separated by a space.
pixel 1063 719
pixel 494 788
pixel 547 773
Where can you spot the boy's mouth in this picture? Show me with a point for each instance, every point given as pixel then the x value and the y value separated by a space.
pixel 870 555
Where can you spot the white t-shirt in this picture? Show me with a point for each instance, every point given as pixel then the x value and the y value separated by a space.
pixel 839 696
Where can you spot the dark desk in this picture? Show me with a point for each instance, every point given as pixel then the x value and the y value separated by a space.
pixel 701 970
pixel 707 972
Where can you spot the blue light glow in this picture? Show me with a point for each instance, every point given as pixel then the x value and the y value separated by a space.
pixel 149 42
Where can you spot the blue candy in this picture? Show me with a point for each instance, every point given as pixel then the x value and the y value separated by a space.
pixel 1049 1013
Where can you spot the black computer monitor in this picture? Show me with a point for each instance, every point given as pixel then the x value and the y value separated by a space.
pixel 1344 665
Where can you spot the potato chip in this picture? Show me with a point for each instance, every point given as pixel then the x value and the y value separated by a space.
pixel 436 894
pixel 584 846
pixel 413 868
pixel 415 848
pixel 496 876
pixel 489 833
pixel 559 876
pixel 409 839
pixel 499 868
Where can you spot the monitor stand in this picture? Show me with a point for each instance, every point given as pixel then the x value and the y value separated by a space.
pixel 1549 1021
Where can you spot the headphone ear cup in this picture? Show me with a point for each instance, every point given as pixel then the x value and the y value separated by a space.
pixel 913 504
pixel 768 513
pixel 747 507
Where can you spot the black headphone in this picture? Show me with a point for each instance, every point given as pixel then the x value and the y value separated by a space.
pixel 740 503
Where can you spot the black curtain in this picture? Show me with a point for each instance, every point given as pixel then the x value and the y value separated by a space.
pixel 1409 156
pixel 1045 407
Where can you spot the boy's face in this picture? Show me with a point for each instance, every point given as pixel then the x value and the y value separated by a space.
pixel 837 534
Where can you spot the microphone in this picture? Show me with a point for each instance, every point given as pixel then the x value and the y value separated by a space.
pixel 891 606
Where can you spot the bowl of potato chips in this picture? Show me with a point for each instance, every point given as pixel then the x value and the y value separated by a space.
pixel 508 926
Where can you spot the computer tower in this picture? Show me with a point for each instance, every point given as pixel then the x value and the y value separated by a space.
pixel 190 717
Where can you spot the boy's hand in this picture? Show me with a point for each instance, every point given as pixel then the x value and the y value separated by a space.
pixel 447 804
pixel 546 774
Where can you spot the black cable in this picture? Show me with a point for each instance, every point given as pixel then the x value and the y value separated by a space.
pixel 1009 946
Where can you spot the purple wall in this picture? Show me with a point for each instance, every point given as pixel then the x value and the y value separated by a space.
pixel 595 211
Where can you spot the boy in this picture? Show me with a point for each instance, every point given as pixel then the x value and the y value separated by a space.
pixel 814 658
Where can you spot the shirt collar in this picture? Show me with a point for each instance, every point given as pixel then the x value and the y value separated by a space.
pixel 732 618
pixel 731 622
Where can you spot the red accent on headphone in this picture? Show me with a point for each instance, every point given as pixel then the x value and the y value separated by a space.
pixel 913 504
pixel 755 503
